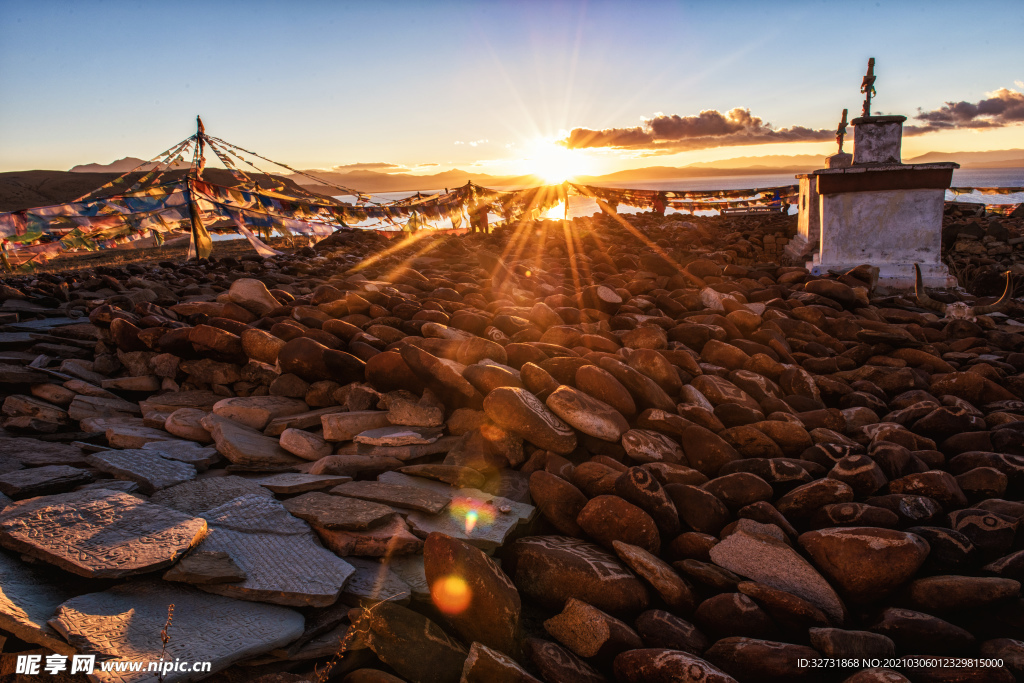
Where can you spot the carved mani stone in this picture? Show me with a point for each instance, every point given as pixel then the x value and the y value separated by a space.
pixel 125 623
pixel 99 533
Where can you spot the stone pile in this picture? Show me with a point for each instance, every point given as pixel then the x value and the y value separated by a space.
pixel 631 451
pixel 979 249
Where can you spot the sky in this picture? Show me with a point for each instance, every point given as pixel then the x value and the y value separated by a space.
pixel 505 88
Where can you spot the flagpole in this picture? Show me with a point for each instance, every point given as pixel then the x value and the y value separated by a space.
pixel 200 244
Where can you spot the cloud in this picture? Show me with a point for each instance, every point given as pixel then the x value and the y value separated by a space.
pixel 472 143
pixel 1004 107
pixel 370 166
pixel 711 128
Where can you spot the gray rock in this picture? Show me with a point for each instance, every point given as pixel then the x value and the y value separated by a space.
pixel 281 557
pixel 247 447
pixel 148 469
pixel 339 512
pixel 200 495
pixel 99 534
pixel 43 481
pixel 767 560
pixel 36 453
pixel 200 457
pixel 200 566
pixel 374 582
pixel 205 627
pixel 345 426
pixel 27 602
pixel 398 435
pixel 295 482
pixel 411 497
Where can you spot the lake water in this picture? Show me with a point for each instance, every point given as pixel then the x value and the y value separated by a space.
pixel 585 206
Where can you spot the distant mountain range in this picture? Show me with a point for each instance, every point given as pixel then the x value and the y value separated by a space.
pixel 373 181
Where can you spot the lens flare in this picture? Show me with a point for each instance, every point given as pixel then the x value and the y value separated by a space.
pixel 471 513
pixel 451 594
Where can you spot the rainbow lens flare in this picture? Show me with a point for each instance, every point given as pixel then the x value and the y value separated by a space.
pixel 451 594
pixel 471 513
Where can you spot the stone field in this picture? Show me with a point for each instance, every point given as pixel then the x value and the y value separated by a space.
pixel 618 450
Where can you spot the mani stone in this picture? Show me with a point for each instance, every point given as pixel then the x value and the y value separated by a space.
pixel 411 644
pixel 398 435
pixel 484 665
pixel 345 426
pixel 374 582
pixel 134 436
pixel 36 453
pixel 296 482
pixel 411 497
pixel 391 539
pixel 147 469
pixel 553 569
pixel 281 557
pixel 42 481
pixel 307 420
pixel 409 452
pixel 27 602
pixel 247 447
pixel 200 495
pixel 492 615
pixel 258 411
pixel 759 556
pixel 338 512
pixel 200 457
pixel 125 621
pixel 205 567
pixel 412 570
pixel 99 533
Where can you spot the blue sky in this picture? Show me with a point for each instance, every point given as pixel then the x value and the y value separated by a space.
pixel 319 84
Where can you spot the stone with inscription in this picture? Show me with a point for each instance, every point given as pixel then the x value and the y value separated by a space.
pixel 28 599
pixel 520 412
pixel 492 616
pixel 99 533
pixel 199 495
pixel 413 498
pixel 587 414
pixel 553 569
pixel 391 539
pixel 338 512
pixel 484 665
pixel 522 512
pixel 201 566
pixel 148 469
pixel 296 482
pixel 412 570
pixel 258 411
pixel 282 560
pixel 766 559
pixel 200 457
pixel 134 436
pixel 411 644
pixel 187 423
pixel 591 633
pixel 306 445
pixel 124 623
pixel 345 426
pixel 374 582
pixel 558 664
pixel 247 447
pixel 398 435
pixel 36 453
pixel 43 481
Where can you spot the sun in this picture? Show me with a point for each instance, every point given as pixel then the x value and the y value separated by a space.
pixel 553 162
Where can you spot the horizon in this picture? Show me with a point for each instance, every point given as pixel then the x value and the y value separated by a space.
pixel 581 89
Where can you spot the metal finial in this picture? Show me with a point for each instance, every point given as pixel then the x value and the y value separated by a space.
pixel 867 87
